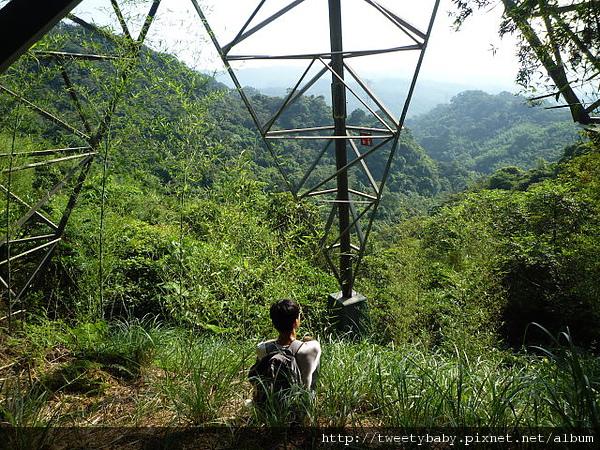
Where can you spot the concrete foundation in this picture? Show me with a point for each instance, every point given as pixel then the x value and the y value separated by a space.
pixel 349 315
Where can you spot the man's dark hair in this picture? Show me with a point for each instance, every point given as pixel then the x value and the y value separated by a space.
pixel 283 314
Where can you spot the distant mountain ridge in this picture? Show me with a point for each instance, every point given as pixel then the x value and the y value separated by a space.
pixel 275 81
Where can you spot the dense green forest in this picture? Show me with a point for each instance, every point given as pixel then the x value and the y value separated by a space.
pixel 485 251
pixel 481 133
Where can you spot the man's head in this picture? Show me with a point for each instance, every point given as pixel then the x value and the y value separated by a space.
pixel 284 314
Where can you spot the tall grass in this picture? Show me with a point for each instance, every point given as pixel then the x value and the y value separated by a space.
pixel 23 404
pixel 283 409
pixel 345 393
pixel 570 383
pixel 406 387
pixel 122 346
pixel 366 384
pixel 438 390
pixel 23 408
pixel 203 380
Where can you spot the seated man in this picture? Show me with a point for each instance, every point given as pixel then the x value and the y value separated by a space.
pixel 285 373
pixel 285 315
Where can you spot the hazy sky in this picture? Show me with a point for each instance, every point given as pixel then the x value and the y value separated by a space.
pixel 461 57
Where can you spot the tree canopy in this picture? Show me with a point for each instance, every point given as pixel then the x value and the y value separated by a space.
pixel 558 49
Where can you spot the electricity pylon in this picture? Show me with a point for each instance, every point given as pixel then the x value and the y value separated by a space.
pixel 33 226
pixel 354 207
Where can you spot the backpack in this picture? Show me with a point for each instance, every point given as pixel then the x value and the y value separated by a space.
pixel 276 373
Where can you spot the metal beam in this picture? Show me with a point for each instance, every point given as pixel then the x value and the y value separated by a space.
pixel 24 22
pixel 338 95
pixel 261 25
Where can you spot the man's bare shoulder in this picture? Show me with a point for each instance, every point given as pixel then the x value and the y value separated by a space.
pixel 310 346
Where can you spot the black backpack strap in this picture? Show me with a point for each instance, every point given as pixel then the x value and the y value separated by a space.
pixel 294 347
pixel 271 348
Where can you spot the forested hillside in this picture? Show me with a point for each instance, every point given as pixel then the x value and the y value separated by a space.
pixel 482 133
pixel 183 236
pixel 498 259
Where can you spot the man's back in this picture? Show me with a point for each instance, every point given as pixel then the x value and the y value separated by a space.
pixel 308 357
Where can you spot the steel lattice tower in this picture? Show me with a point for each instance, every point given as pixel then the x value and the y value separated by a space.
pixel 344 246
